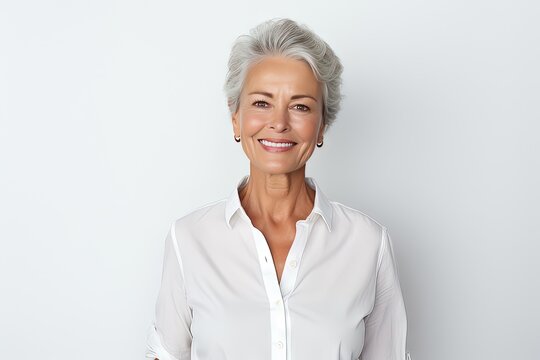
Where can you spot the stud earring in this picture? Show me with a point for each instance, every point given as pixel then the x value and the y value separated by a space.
pixel 320 145
pixel 235 139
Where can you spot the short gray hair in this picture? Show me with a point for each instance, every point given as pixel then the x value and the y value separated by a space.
pixel 287 38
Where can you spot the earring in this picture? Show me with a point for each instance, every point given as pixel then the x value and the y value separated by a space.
pixel 235 139
pixel 320 145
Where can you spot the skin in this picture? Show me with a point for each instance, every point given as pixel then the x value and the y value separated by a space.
pixel 276 195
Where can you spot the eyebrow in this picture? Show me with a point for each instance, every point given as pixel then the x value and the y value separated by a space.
pixel 294 97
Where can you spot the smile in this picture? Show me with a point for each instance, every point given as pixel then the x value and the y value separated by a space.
pixel 276 146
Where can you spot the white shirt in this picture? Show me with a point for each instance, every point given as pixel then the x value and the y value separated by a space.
pixel 339 297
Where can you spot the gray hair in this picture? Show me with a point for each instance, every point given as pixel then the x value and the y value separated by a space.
pixel 287 38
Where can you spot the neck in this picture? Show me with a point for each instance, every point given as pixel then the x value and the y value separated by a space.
pixel 277 197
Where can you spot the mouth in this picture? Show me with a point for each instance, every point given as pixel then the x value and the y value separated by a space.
pixel 276 145
pixel 277 142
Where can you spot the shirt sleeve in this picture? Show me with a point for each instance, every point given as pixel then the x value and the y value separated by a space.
pixel 386 325
pixel 169 337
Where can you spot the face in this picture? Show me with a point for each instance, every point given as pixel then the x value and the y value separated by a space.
pixel 279 119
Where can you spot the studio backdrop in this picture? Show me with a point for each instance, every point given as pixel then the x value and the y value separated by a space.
pixel 113 123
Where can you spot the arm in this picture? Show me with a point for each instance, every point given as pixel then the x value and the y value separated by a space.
pixel 169 337
pixel 386 325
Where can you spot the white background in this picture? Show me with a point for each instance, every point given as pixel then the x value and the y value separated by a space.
pixel 114 123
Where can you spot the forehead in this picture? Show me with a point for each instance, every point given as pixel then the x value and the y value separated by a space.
pixel 282 74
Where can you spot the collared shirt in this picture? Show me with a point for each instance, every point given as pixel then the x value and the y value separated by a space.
pixel 339 296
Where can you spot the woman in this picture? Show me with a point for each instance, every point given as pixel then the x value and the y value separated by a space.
pixel 277 270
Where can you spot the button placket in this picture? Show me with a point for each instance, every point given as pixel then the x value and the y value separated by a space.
pixel 277 312
pixel 290 275
pixel 278 293
pixel 290 272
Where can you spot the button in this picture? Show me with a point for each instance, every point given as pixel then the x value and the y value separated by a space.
pixel 277 302
pixel 293 263
pixel 279 344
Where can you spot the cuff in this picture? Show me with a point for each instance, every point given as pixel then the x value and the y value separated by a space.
pixel 154 348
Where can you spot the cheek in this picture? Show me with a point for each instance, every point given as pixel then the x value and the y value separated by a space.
pixel 307 128
pixel 252 122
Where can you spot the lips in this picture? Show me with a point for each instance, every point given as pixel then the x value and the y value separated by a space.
pixel 274 140
pixel 277 146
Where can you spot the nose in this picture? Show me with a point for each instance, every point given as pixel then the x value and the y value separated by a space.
pixel 280 119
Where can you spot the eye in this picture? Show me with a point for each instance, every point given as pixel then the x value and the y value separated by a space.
pixel 260 103
pixel 301 107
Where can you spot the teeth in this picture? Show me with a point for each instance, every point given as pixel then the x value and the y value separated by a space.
pixel 273 144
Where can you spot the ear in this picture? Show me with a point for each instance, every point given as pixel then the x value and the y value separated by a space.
pixel 235 123
pixel 322 129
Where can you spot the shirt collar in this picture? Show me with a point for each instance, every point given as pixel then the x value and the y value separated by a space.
pixel 321 205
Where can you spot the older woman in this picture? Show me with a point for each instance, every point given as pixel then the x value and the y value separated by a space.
pixel 276 270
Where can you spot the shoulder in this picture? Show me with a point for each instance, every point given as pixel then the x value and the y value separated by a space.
pixel 347 216
pixel 208 213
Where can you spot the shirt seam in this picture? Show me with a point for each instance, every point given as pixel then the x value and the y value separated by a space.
pixel 200 207
pixel 382 248
pixel 178 257
pixel 382 245
pixel 358 211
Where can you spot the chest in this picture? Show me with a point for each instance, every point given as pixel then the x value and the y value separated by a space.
pixel 327 290
pixel 279 242
pixel 233 296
